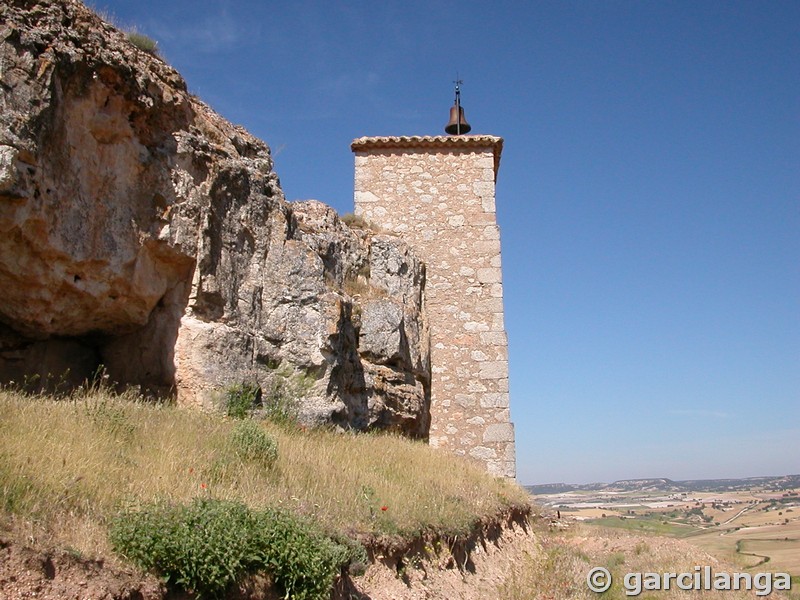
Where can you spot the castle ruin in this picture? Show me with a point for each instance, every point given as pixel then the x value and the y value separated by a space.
pixel 438 193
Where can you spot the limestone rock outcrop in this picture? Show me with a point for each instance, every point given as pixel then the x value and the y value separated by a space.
pixel 142 232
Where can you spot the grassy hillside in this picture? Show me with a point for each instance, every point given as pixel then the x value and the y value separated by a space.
pixel 68 466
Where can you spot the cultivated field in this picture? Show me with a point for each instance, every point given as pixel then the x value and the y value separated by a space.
pixel 756 529
pixel 768 547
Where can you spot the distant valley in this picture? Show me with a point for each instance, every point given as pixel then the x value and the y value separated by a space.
pixel 778 483
pixel 750 521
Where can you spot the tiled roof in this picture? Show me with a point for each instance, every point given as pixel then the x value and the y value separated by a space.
pixel 428 141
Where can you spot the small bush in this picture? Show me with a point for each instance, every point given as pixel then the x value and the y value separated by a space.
pixel 281 402
pixel 301 561
pixel 210 544
pixel 202 547
pixel 143 42
pixel 109 414
pixel 251 443
pixel 355 286
pixel 355 221
pixel 241 399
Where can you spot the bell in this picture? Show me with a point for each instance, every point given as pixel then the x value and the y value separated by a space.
pixel 458 124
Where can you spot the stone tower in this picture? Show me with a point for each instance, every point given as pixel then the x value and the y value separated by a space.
pixel 438 193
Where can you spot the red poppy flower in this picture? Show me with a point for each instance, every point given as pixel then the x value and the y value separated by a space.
pixel 384 508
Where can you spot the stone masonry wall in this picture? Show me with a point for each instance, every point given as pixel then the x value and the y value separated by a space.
pixel 438 193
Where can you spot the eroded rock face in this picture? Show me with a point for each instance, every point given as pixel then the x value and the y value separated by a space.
pixel 141 231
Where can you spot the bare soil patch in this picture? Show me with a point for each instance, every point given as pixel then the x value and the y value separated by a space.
pixel 59 575
pixel 440 573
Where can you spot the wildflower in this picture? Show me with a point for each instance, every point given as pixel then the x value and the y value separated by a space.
pixel 203 485
pixel 384 508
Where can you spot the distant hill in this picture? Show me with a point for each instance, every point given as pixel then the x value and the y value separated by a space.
pixel 775 483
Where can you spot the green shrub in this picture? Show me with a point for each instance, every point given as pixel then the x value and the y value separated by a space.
pixel 201 547
pixel 302 562
pixel 210 544
pixel 273 394
pixel 250 442
pixel 241 399
pixel 143 42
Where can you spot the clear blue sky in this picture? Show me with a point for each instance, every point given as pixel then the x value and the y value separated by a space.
pixel 648 195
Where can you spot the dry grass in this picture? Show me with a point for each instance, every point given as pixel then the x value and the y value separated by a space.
pixel 143 42
pixel 66 466
pixel 358 286
pixel 358 222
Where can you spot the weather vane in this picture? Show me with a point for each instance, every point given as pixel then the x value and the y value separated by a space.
pixel 458 124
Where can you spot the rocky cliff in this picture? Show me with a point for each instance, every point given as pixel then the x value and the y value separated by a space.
pixel 142 232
